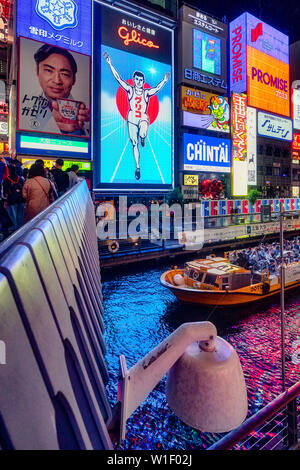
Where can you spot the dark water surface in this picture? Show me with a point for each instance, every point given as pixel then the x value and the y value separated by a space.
pixel 139 313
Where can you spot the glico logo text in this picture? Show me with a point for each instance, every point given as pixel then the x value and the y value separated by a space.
pixel 135 37
pixel 269 80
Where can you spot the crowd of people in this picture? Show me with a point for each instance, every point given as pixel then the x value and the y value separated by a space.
pixel 266 256
pixel 24 192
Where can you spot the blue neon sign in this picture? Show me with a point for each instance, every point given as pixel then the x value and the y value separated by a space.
pixel 63 23
pixel 202 153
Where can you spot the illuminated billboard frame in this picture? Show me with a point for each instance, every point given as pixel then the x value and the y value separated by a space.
pixel 259 64
pixel 206 154
pixel 274 127
pixel 133 142
pixel 296 142
pixel 37 20
pixel 204 110
pixel 33 144
pixel 209 31
pixel 296 108
pixel 252 146
pixel 36 111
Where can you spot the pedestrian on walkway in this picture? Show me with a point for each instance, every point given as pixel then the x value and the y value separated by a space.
pixel 60 177
pixel 36 191
pixel 12 193
pixel 73 178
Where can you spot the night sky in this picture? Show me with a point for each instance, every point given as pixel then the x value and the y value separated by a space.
pixel 281 14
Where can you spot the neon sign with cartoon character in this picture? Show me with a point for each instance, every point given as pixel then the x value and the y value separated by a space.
pixel 205 110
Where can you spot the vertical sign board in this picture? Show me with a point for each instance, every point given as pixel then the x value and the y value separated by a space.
pixel 238 54
pixel 133 102
pixel 251 146
pixel 259 64
pixel 54 76
pixel 239 145
pixel 203 50
pixel 296 108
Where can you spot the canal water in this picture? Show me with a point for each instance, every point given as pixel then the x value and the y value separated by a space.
pixel 139 313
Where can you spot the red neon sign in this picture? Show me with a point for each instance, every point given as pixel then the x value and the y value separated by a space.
pixel 296 142
pixel 135 37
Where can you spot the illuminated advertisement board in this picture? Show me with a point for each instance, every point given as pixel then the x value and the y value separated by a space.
pixel 209 154
pixel 48 106
pixel 296 108
pixel 4 12
pixel 251 146
pixel 275 127
pixel 191 180
pixel 239 145
pixel 37 145
pixel 203 50
pixel 259 64
pixel 134 102
pixel 205 110
pixel 296 142
pixel 63 23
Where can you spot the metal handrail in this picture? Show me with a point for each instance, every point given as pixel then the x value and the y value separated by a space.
pixel 252 423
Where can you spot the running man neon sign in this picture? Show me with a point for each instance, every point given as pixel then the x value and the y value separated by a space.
pixel 134 76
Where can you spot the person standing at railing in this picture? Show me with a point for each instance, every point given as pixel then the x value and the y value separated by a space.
pixel 12 193
pixel 36 191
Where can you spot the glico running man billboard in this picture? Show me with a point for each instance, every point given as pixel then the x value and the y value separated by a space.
pixel 259 64
pixel 133 113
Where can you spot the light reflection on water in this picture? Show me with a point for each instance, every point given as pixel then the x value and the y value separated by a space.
pixel 139 313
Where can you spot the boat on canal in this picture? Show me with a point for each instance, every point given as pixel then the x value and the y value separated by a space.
pixel 216 281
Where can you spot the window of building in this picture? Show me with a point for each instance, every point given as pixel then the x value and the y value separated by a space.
pixel 269 171
pixel 285 172
pixel 286 153
pixel 277 152
pixel 260 149
pixel 269 151
pixel 260 170
pixel 276 171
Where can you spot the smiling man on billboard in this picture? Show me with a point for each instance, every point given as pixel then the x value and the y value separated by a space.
pixel 53 100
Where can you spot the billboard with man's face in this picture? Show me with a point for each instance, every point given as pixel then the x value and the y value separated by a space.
pixel 54 90
pixel 134 102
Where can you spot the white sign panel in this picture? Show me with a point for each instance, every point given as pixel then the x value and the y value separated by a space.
pixel 296 108
pixel 275 127
pixel 252 147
